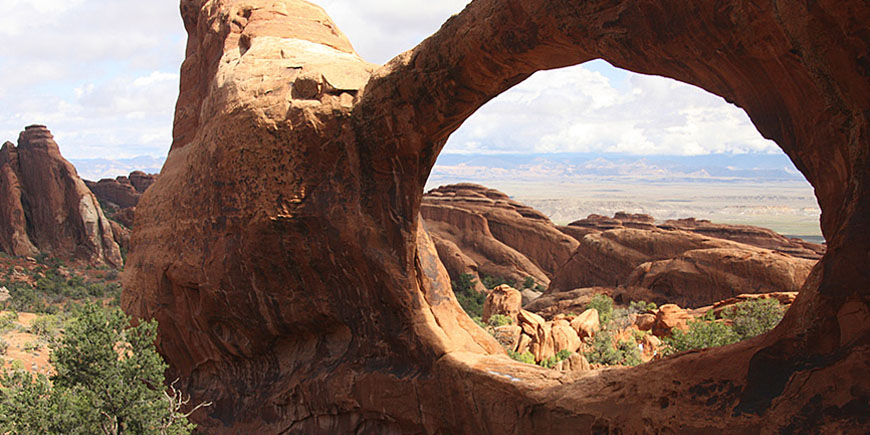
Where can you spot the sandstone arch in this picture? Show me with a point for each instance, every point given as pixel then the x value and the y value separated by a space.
pixel 281 248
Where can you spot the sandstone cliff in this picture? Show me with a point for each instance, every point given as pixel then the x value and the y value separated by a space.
pixel 283 253
pixel 677 266
pixel 46 207
pixel 121 194
pixel 482 231
pixel 123 191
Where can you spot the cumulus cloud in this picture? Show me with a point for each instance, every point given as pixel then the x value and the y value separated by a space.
pixel 103 75
pixel 578 109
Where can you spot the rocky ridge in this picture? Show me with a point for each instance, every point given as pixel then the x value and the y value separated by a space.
pixel 481 231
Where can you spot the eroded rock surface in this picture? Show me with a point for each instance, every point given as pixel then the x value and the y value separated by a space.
pixel 123 191
pixel 750 235
pixel 45 206
pixel 283 254
pixel 677 266
pixel 481 231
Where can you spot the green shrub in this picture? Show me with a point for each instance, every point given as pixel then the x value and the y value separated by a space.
pixel 553 360
pixel 469 299
pixel 8 320
pixel 525 357
pixel 701 334
pixel 497 320
pixel 639 307
pixel 492 282
pixel 4 346
pixel 109 380
pixel 603 351
pixel 32 346
pixel 529 282
pixel 604 305
pixel 629 352
pixel 46 325
pixel 754 317
pixel 620 318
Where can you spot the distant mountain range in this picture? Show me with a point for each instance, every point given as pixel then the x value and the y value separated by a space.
pixel 96 169
pixel 480 168
pixel 452 168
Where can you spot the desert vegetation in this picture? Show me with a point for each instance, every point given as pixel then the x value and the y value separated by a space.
pixel 107 378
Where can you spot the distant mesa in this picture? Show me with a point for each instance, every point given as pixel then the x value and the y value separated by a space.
pixel 46 208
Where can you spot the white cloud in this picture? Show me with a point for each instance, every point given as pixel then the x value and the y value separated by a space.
pixel 577 109
pixel 103 75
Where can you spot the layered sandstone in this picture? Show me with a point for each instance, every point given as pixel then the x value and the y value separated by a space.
pixel 481 231
pixel 121 194
pixel 46 207
pixel 750 235
pixel 283 254
pixel 677 266
pixel 123 191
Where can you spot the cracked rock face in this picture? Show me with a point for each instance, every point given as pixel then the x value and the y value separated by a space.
pixel 283 254
pixel 45 206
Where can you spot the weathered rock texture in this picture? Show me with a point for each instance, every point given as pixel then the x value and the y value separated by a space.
pixel 122 191
pixel 45 206
pixel 750 235
pixel 120 196
pixel 283 254
pixel 481 231
pixel 678 266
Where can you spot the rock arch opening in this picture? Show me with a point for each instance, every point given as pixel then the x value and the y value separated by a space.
pixel 609 152
pixel 320 305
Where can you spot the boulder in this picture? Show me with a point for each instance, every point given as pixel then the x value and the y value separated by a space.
pixel 645 322
pixel 573 301
pixel 587 323
pixel 504 300
pixel 543 344
pixel 529 295
pixel 564 336
pixel 508 335
pixel 668 317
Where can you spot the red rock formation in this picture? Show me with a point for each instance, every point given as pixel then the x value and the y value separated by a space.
pixel 750 235
pixel 478 230
pixel 681 267
pixel 747 234
pixel 47 208
pixel 122 193
pixel 703 276
pixel 282 252
pixel 118 191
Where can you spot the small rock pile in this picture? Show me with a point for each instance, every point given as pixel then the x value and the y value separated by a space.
pixel 544 339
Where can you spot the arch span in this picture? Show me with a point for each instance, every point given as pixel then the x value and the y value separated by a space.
pixel 282 252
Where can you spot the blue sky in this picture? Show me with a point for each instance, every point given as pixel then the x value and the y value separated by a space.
pixel 104 77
